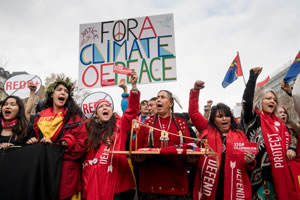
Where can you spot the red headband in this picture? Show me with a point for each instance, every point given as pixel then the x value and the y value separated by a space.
pixel 101 101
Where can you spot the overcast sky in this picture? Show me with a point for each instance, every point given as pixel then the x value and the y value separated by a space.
pixel 42 37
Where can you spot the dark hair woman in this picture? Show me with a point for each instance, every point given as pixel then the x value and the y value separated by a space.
pixel 163 177
pixel 61 123
pixel 108 176
pixel 14 124
pixel 226 180
pixel 271 175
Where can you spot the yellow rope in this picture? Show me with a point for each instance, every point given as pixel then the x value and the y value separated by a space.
pixel 134 122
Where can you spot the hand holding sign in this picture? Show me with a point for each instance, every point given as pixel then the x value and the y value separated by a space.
pixel 249 157
pixel 32 87
pixel 22 85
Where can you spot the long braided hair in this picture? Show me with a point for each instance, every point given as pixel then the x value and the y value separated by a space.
pixel 171 99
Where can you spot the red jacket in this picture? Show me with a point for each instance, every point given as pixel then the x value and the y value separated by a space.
pixel 235 166
pixel 163 174
pixel 98 181
pixel 74 133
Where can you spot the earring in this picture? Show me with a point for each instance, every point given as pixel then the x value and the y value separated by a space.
pixel 96 119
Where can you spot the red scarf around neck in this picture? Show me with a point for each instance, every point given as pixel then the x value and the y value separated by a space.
pixel 8 125
pixel 236 181
pixel 277 140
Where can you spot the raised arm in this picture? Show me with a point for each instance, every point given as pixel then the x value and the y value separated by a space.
pixel 292 149
pixel 133 104
pixel 296 95
pixel 207 108
pixel 30 101
pixel 197 118
pixel 125 95
pixel 247 104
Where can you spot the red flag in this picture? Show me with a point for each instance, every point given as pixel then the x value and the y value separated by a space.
pixel 238 65
pixel 263 82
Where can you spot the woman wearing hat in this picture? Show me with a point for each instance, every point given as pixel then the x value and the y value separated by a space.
pixel 61 123
pixel 108 176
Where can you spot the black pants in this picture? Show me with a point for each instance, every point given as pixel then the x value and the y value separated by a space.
pixel 127 195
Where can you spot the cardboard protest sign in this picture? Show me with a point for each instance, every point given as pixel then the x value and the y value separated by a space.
pixel 18 85
pixel 250 147
pixel 88 104
pixel 145 44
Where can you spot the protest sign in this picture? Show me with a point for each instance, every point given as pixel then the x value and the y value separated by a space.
pixel 88 105
pixel 18 85
pixel 250 147
pixel 145 44
pixel 120 69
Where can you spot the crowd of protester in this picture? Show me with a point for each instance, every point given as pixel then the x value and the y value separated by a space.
pixel 88 170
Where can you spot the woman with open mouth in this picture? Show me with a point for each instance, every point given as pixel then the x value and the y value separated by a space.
pixel 108 176
pixel 14 124
pixel 224 176
pixel 283 114
pixel 270 178
pixel 163 177
pixel 61 123
pixel 292 127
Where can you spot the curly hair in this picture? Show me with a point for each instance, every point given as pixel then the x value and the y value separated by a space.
pixel 66 81
pixel 73 109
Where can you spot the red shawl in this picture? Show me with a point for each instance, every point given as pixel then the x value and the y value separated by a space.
pixel 237 184
pixel 277 140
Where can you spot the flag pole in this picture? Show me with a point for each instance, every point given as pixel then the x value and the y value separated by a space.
pixel 241 68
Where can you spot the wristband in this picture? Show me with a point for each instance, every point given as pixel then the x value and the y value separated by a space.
pixel 125 95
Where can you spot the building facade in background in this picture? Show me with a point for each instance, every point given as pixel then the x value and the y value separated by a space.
pixel 4 75
pixel 274 84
